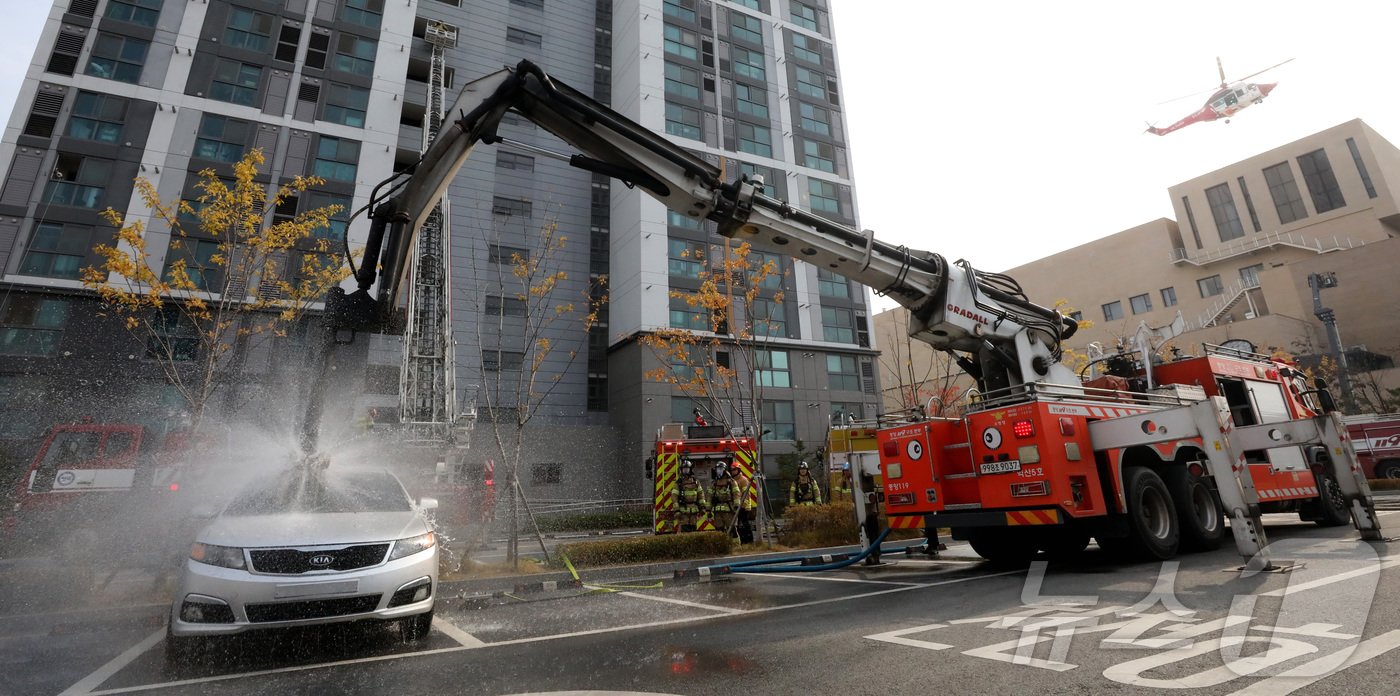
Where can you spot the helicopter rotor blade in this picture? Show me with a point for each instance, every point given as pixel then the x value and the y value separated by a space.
pixel 1200 93
pixel 1261 72
pixel 1221 67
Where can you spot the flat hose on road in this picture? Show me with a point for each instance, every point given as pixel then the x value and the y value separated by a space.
pixel 770 565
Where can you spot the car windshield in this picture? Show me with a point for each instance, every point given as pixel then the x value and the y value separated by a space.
pixel 325 493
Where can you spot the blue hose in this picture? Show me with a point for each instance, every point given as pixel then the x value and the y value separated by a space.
pixel 761 566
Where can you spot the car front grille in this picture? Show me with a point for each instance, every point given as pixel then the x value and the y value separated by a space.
pixel 311 609
pixel 294 561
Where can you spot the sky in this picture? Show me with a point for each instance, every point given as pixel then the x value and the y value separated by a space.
pixel 1002 132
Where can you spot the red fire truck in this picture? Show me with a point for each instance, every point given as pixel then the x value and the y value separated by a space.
pixel 703 445
pixel 1377 442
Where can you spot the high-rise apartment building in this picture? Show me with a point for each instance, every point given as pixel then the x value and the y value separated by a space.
pixel 337 88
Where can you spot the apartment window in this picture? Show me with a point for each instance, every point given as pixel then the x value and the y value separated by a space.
pixel 814 118
pixel 197 256
pixel 1222 208
pixel 772 369
pixel 811 83
pixel 1249 275
pixel 524 38
pixel 1191 220
pixel 749 64
pixel 1322 183
pixel 680 9
pixel 679 42
pixel 752 100
pixel 57 251
pixel 818 155
pixel 803 16
pixel 235 82
pixel 1168 297
pixel 499 306
pixel 221 138
pixel 366 13
pixel 31 324
pixel 514 207
pixel 825 196
pixel 248 30
pixel 832 284
pixel 78 181
pixel 683 121
pixel 806 48
pixel 767 318
pixel 345 105
pixel 1113 311
pixel 838 326
pixel 97 117
pixel 1141 304
pixel 1210 287
pixel 532 4
pixel 842 373
pixel 1249 204
pixel 756 140
pixel 1361 168
pixel 1284 190
pixel 141 12
pixel 354 55
pixel 778 420
pixel 751 4
pixel 689 364
pixel 757 260
pixel 682 81
pixel 339 223
pixel 745 28
pixel 502 360
pixel 687 316
pixel 514 161
pixel 336 159
pixel 117 58
pixel 287 39
pixel 501 254
pixel 546 474
pixel 173 336
pixel 318 47
pixel 843 412
pixel 675 219
pixel 685 259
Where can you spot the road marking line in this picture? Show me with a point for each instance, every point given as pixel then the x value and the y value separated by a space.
pixel 538 639
pixel 1304 675
pixel 105 672
pixel 451 631
pixel 682 602
pixel 802 576
pixel 1386 562
pixel 897 637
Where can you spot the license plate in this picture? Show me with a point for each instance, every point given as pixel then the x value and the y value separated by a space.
pixel 312 589
pixel 1001 467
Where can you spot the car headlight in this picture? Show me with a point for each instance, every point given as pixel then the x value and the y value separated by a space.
pixel 213 554
pixel 414 544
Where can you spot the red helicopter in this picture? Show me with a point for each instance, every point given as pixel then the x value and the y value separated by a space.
pixel 1226 101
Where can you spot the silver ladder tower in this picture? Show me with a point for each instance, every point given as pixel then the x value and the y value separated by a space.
pixel 427 386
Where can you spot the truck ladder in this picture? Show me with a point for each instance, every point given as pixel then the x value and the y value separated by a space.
pixel 427 389
pixel 1225 446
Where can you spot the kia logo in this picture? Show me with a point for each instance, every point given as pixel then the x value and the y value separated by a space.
pixel 322 560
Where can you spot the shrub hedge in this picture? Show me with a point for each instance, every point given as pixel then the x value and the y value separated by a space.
pixel 833 524
pixel 664 547
pixel 595 520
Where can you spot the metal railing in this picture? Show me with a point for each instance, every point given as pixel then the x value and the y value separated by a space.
pixel 1038 391
pixel 1244 246
pixel 1228 299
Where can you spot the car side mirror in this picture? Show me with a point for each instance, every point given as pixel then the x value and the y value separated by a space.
pixel 427 504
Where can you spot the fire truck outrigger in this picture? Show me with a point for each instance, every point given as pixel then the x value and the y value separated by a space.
pixel 1042 462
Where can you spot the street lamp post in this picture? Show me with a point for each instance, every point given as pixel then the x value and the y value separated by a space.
pixel 1319 281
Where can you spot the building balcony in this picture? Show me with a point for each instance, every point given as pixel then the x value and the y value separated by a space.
pixel 1255 243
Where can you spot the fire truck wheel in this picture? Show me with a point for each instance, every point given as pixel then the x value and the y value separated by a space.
pixel 1389 469
pixel 1332 507
pixel 1003 547
pixel 1155 532
pixel 1202 523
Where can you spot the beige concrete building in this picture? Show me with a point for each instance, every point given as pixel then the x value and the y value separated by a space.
pixel 1236 261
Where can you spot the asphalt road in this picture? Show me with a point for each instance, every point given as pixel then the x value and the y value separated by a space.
pixel 1329 626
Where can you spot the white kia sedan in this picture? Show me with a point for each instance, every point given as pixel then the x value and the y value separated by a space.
pixel 309 548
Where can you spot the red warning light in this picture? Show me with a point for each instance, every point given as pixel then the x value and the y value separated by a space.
pixel 1023 428
pixel 174 487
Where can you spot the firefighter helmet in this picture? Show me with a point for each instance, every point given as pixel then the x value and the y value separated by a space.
pixel 802 466
pixel 721 469
pixel 685 467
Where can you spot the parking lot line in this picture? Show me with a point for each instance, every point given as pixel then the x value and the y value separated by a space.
pixel 451 631
pixel 682 602
pixel 105 672
pixel 1382 564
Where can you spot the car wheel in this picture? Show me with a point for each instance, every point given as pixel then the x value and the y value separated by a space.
pixel 1202 523
pixel 414 628
pixel 1155 531
pixel 1332 507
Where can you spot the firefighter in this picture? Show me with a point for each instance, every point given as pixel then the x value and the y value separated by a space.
pixel 871 524
pixel 748 505
pixel 842 490
pixel 804 490
pixel 724 498
pixel 690 498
